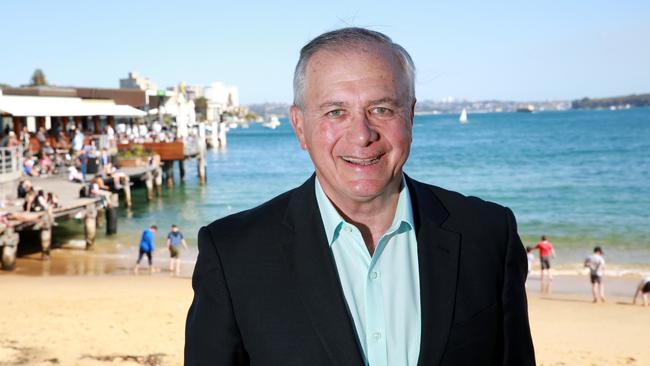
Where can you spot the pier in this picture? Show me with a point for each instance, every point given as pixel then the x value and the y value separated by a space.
pixel 71 204
pixel 128 137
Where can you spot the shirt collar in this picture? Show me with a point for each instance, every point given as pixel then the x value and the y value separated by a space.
pixel 332 220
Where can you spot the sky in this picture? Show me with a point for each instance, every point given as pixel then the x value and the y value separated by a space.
pixel 475 50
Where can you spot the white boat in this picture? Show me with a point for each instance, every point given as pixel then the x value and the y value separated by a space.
pixel 463 116
pixel 272 123
pixel 232 125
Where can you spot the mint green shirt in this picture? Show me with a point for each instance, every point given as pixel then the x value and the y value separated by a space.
pixel 382 291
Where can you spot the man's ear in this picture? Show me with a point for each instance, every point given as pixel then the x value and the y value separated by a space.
pixel 413 110
pixel 297 121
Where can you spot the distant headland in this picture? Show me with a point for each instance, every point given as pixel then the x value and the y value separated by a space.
pixel 628 101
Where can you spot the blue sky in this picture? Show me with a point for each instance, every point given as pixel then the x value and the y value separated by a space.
pixel 512 50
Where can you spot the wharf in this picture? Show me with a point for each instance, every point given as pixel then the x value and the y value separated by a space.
pixel 70 204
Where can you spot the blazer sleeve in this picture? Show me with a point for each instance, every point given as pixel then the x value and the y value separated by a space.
pixel 212 336
pixel 517 343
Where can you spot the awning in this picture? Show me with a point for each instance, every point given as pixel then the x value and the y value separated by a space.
pixel 28 106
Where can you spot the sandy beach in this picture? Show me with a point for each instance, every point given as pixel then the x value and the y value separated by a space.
pixel 124 319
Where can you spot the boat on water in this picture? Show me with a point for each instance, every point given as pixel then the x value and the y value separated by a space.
pixel 232 125
pixel 463 116
pixel 272 123
pixel 527 109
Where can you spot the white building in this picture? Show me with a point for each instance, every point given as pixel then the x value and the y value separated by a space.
pixel 220 98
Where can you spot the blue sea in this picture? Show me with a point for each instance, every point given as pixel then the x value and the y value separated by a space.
pixel 580 177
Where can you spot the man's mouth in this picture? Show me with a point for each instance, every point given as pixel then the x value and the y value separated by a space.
pixel 361 161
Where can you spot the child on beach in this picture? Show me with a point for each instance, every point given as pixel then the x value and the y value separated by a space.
pixel 531 259
pixel 596 265
pixel 146 247
pixel 643 288
pixel 174 240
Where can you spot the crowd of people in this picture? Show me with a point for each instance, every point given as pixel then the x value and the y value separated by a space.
pixel 594 263
pixel 142 134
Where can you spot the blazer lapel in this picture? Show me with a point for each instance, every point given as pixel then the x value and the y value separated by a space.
pixel 438 251
pixel 314 271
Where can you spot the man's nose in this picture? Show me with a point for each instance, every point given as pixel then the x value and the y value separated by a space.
pixel 360 132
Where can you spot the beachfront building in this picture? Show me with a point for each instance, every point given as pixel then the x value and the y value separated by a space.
pixel 220 98
pixel 61 109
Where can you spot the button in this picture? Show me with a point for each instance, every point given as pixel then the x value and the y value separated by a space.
pixel 348 229
pixel 377 336
pixel 374 275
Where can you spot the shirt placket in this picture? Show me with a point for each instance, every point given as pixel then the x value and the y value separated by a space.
pixel 374 310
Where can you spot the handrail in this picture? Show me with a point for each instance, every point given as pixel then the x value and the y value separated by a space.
pixel 11 161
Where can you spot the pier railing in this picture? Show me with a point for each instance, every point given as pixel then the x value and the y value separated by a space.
pixel 11 161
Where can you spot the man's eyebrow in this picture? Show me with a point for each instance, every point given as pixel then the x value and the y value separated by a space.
pixel 331 103
pixel 385 100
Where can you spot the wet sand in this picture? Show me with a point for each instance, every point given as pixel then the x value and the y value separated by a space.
pixel 96 312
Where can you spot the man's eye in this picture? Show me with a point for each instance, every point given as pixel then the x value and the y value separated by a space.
pixel 381 111
pixel 335 113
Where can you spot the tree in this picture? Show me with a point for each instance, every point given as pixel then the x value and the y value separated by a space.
pixel 38 78
pixel 201 108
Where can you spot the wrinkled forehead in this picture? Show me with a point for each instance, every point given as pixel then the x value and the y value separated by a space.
pixel 362 59
pixel 364 51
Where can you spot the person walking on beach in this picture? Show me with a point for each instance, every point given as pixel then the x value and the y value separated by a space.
pixel 146 247
pixel 361 264
pixel 644 290
pixel 546 252
pixel 174 240
pixel 596 265
pixel 531 259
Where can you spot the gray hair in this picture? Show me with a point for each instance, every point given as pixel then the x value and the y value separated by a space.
pixel 348 37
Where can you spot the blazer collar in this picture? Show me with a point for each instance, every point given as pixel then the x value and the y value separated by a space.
pixel 313 270
pixel 438 254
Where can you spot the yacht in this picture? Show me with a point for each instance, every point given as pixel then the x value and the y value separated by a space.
pixel 463 116
pixel 272 123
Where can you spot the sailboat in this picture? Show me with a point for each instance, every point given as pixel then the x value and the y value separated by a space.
pixel 463 116
pixel 272 123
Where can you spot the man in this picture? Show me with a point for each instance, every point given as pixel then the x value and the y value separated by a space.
pixel 361 265
pixel 174 240
pixel 546 252
pixel 147 247
pixel 596 265
pixel 78 141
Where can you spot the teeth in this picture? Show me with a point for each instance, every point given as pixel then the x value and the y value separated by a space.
pixel 356 161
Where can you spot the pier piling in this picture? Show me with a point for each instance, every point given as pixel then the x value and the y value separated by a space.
pixel 181 169
pixel 168 173
pixel 46 239
pixel 90 225
pixel 201 167
pixel 149 184
pixel 158 179
pixel 127 190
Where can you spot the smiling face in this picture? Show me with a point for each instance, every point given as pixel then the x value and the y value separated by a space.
pixel 356 121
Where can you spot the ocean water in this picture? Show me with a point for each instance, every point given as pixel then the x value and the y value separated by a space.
pixel 580 177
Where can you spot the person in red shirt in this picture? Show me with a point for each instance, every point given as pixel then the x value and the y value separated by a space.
pixel 546 252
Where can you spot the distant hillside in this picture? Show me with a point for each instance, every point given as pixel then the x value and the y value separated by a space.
pixel 634 100
pixel 264 109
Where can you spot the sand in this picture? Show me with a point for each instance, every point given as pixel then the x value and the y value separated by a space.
pixel 124 319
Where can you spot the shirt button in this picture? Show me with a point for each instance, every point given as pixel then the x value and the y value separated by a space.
pixel 374 275
pixel 377 336
pixel 348 229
